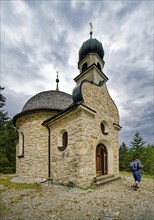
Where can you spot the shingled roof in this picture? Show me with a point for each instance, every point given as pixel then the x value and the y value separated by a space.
pixel 52 99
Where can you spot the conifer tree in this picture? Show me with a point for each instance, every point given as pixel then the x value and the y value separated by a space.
pixel 146 154
pixel 137 142
pixel 123 159
pixel 3 115
pixel 8 133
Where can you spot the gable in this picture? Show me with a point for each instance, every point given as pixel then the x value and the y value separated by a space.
pixel 96 97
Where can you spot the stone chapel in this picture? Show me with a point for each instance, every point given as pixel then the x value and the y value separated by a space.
pixel 67 138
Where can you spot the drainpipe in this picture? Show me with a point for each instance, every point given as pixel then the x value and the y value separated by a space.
pixel 50 180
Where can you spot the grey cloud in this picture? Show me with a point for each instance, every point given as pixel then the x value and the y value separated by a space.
pixel 14 102
pixel 127 9
pixel 16 64
pixel 141 119
pixel 63 12
pixel 76 18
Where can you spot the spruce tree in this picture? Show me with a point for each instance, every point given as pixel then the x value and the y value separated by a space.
pixel 3 115
pixel 123 150
pixel 8 134
pixel 137 142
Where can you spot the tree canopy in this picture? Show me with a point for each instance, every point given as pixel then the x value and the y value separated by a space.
pixel 8 134
pixel 137 142
pixel 3 115
pixel 137 147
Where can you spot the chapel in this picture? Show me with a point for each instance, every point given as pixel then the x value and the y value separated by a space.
pixel 67 138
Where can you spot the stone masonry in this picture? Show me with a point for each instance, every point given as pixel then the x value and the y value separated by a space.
pixel 33 166
pixel 77 163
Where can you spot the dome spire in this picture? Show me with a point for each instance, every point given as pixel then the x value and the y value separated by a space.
pixel 57 81
pixel 91 30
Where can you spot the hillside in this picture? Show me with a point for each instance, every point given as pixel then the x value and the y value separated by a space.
pixel 115 201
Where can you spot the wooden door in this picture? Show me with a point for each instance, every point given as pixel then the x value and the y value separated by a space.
pixel 101 160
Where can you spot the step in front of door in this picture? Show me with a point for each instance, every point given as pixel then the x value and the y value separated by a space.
pixel 105 179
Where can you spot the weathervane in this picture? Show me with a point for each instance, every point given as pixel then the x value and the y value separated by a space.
pixel 91 29
pixel 57 81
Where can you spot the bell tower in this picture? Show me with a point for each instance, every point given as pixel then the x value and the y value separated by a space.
pixel 91 61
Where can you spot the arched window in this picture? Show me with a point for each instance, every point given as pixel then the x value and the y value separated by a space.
pixel 84 67
pixel 65 139
pixel 21 145
pixel 104 127
pixel 62 140
pixel 99 66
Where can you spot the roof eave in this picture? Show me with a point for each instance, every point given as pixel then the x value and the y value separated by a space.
pixel 64 112
pixel 31 112
pixel 68 110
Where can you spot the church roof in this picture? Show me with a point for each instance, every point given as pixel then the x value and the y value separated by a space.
pixel 66 111
pixel 52 99
pixel 91 45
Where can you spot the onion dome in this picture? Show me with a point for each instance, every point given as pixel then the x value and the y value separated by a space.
pixel 92 45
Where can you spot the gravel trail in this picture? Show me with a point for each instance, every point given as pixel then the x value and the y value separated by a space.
pixel 114 201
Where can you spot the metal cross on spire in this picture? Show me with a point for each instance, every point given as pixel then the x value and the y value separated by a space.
pixel 57 81
pixel 91 29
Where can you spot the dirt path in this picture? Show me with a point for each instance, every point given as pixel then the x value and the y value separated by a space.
pixel 113 201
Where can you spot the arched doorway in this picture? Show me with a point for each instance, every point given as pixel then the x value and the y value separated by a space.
pixel 101 160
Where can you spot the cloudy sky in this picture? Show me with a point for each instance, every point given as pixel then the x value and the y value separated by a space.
pixel 40 37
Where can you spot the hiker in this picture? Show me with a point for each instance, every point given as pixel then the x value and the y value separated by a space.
pixel 136 166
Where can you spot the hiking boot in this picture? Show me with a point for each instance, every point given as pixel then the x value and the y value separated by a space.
pixel 134 188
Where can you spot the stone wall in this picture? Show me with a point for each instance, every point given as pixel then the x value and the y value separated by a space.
pixel 99 99
pixel 33 165
pixel 77 163
pixel 69 165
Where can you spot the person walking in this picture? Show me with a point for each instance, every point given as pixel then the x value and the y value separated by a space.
pixel 136 167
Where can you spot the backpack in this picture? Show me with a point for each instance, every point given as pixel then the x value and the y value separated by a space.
pixel 134 166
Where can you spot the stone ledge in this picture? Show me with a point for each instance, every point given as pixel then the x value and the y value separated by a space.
pixel 105 179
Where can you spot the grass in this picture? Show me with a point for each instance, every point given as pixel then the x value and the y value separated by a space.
pixel 90 187
pixel 6 184
pixel 146 176
pixel 5 180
